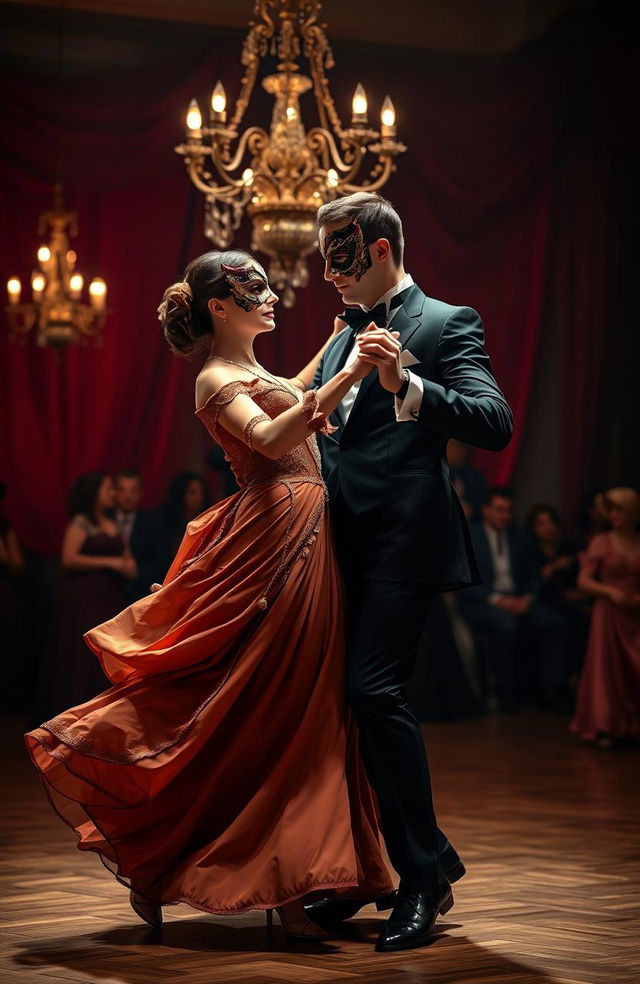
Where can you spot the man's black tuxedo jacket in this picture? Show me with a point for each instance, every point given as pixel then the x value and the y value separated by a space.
pixel 395 473
pixel 523 565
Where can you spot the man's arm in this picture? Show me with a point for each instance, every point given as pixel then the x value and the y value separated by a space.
pixel 469 405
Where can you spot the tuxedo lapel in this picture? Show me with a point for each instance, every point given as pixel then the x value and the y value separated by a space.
pixel 406 321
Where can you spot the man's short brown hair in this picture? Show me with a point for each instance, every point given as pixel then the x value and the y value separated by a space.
pixel 376 217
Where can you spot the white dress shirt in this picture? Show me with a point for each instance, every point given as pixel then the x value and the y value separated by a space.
pixel 503 582
pixel 124 522
pixel 409 407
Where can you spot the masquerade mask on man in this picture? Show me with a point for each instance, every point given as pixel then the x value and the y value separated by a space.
pixel 346 250
pixel 249 286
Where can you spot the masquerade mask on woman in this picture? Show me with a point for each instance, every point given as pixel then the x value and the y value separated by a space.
pixel 347 251
pixel 249 285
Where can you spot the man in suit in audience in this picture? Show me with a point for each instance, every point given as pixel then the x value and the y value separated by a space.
pixel 507 601
pixel 139 529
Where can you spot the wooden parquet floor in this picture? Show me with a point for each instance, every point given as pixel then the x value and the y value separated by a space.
pixel 548 830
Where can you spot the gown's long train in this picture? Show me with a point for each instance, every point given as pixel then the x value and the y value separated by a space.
pixel 221 769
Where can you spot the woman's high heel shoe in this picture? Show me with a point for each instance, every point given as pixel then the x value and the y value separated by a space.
pixel 151 912
pixel 297 929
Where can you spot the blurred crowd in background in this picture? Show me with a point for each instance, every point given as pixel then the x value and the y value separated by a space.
pixel 555 623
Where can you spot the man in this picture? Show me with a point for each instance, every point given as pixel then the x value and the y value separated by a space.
pixel 139 530
pixel 507 600
pixel 400 530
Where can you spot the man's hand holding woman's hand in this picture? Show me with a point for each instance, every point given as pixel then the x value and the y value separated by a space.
pixel 381 349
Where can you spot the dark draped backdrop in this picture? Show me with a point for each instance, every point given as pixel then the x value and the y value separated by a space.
pixel 510 193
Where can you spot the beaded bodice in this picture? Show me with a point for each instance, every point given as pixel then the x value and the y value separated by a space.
pixel 248 465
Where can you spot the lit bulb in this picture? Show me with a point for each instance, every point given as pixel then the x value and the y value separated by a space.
pixel 75 284
pixel 71 257
pixel 98 292
pixel 388 114
pixel 194 116
pixel 218 100
pixel 13 289
pixel 37 284
pixel 359 105
pixel 332 177
pixel 247 175
pixel 291 112
pixel 44 254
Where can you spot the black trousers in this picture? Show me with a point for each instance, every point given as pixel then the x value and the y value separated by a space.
pixel 385 620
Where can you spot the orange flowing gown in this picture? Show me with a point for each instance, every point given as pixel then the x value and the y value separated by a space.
pixel 221 769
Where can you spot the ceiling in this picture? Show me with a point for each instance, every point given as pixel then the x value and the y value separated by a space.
pixel 476 26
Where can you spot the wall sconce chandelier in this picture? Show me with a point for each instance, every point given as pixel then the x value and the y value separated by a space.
pixel 56 309
pixel 282 177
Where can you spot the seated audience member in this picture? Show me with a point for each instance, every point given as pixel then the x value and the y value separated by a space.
pixel 507 601
pixel 96 564
pixel 469 482
pixel 557 564
pixel 140 532
pixel 608 701
pixel 187 496
pixel 12 615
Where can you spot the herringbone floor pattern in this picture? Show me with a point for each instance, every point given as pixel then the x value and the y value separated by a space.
pixel 548 830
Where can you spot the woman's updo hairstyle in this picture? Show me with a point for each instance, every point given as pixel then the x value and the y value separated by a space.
pixel 184 312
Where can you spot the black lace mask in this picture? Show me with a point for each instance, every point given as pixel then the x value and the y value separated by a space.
pixel 347 251
pixel 249 286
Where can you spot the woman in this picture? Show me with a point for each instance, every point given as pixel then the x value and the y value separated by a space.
pixel 557 563
pixel 222 768
pixel 608 704
pixel 95 563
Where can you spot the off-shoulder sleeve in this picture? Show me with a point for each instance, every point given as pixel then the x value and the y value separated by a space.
pixel 225 395
pixel 591 558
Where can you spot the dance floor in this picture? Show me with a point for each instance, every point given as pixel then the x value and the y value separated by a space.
pixel 548 829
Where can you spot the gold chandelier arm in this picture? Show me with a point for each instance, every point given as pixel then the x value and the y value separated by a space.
pixel 254 48
pixel 318 51
pixel 254 135
pixel 321 140
pixel 385 171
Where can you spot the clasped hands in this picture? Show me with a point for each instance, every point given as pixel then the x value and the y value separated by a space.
pixel 379 348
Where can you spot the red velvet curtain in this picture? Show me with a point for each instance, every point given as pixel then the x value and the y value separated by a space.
pixel 477 189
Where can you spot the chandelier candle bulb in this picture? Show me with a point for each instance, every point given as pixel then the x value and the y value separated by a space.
pixel 44 254
pixel 359 105
pixel 75 285
pixel 98 293
pixel 247 176
pixel 14 288
pixel 218 104
pixel 38 284
pixel 332 177
pixel 388 118
pixel 194 119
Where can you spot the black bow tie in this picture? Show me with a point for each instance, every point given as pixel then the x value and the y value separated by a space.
pixel 357 319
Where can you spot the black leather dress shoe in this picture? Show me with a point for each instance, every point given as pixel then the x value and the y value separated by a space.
pixel 411 923
pixel 329 912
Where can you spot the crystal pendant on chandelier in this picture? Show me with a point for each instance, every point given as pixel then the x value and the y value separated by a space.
pixel 282 177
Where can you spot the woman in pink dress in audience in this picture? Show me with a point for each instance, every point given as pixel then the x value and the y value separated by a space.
pixel 608 702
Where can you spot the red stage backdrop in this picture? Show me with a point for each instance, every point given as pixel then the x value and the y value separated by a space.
pixel 493 219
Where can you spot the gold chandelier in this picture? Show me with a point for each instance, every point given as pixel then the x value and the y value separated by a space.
pixel 56 309
pixel 282 177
